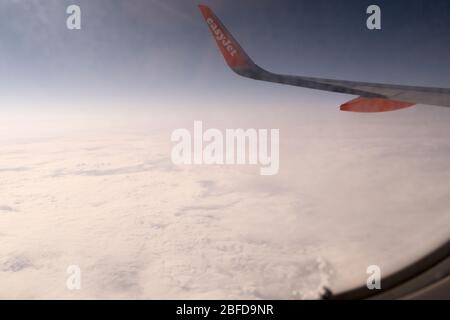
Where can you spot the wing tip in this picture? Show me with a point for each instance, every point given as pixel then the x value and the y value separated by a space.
pixel 203 7
pixel 232 52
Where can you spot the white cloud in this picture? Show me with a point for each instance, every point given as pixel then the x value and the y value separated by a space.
pixel 352 191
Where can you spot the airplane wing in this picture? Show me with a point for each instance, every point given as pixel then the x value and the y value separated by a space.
pixel 373 97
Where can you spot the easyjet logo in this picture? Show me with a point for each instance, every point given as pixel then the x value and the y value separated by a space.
pixel 220 37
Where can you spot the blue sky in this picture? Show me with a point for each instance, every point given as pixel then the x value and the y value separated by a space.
pixel 147 53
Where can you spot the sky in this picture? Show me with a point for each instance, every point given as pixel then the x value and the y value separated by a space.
pixel 152 53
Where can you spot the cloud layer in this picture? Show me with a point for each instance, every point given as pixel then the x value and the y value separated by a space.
pixel 352 191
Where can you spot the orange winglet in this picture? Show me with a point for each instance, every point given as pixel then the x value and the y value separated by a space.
pixel 369 105
pixel 230 48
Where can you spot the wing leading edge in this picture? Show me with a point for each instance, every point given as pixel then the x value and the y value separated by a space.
pixel 373 97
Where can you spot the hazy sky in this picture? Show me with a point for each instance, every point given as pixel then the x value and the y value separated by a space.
pixel 147 53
